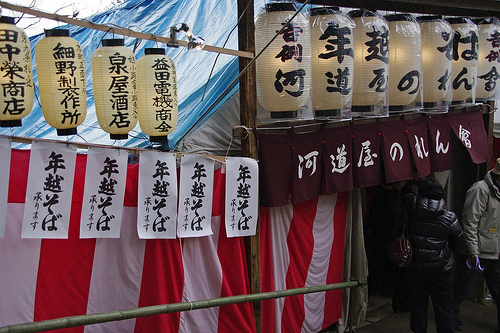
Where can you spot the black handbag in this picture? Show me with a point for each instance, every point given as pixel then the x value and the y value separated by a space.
pixel 400 250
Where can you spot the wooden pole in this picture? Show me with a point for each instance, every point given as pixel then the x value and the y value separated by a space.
pixel 248 119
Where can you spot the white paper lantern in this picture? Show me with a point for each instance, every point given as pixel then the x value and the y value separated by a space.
pixel 371 64
pixel 61 78
pixel 332 62
pixel 114 83
pixel 465 47
pixel 156 94
pixel 437 47
pixel 488 58
pixel 405 62
pixel 16 77
pixel 284 68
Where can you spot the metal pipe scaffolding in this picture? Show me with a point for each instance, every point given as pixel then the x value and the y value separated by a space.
pixel 73 321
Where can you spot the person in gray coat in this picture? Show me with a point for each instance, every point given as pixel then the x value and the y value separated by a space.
pixel 481 224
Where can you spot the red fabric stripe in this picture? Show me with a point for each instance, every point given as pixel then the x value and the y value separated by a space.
pixel 266 266
pixel 231 252
pixel 19 166
pixel 65 267
pixel 300 243
pixel 333 300
pixel 162 277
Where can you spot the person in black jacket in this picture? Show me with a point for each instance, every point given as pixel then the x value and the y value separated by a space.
pixel 434 232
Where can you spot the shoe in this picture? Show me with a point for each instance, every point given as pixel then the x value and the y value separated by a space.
pixel 458 325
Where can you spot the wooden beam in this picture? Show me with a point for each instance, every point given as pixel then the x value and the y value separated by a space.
pixel 248 119
pixel 117 30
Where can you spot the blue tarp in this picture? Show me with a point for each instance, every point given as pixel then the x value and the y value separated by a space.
pixel 211 19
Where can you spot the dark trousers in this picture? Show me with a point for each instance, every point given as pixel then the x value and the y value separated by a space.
pixel 467 279
pixel 440 289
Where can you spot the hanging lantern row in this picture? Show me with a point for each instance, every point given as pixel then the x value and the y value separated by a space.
pixel 363 64
pixel 123 94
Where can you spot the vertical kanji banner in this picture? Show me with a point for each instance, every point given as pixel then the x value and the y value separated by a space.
pixel 366 155
pixel 469 129
pixel 157 197
pixel 105 180
pixel 49 192
pixel 338 159
pixel 4 181
pixel 195 196
pixel 396 153
pixel 307 166
pixel 242 196
pixel 440 147
pixel 416 130
pixel 275 168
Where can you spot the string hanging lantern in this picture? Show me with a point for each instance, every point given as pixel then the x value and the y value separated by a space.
pixel 156 94
pixel 437 43
pixel 464 68
pixel 284 68
pixel 371 64
pixel 405 62
pixel 61 77
pixel 114 83
pixel 488 57
pixel 332 62
pixel 16 76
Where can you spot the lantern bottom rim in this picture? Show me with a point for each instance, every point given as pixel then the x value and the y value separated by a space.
pixel 363 108
pixel 162 138
pixel 11 123
pixel 283 114
pixel 118 136
pixel 66 131
pixel 327 113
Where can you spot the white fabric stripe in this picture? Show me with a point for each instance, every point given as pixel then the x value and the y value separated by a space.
pixel 19 260
pixel 318 269
pixel 202 280
pixel 122 259
pixel 280 220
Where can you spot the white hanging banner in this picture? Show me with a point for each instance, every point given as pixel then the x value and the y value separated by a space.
pixel 4 182
pixel 157 195
pixel 104 192
pixel 242 196
pixel 49 190
pixel 195 196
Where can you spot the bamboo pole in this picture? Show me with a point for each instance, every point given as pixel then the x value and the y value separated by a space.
pixel 73 321
pixel 117 30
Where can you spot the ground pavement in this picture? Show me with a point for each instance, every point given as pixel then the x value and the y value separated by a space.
pixel 478 316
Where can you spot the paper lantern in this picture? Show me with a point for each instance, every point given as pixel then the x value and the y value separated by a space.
pixel 115 96
pixel 156 94
pixel 488 57
pixel 371 64
pixel 16 77
pixel 405 62
pixel 465 47
pixel 284 68
pixel 61 78
pixel 332 62
pixel 437 43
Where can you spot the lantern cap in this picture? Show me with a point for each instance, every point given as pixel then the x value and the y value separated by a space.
pixel 324 10
pixel 154 50
pixel 361 13
pixel 400 17
pixel 486 20
pixel 458 20
pixel 429 18
pixel 113 42
pixel 57 33
pixel 7 19
pixel 280 7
